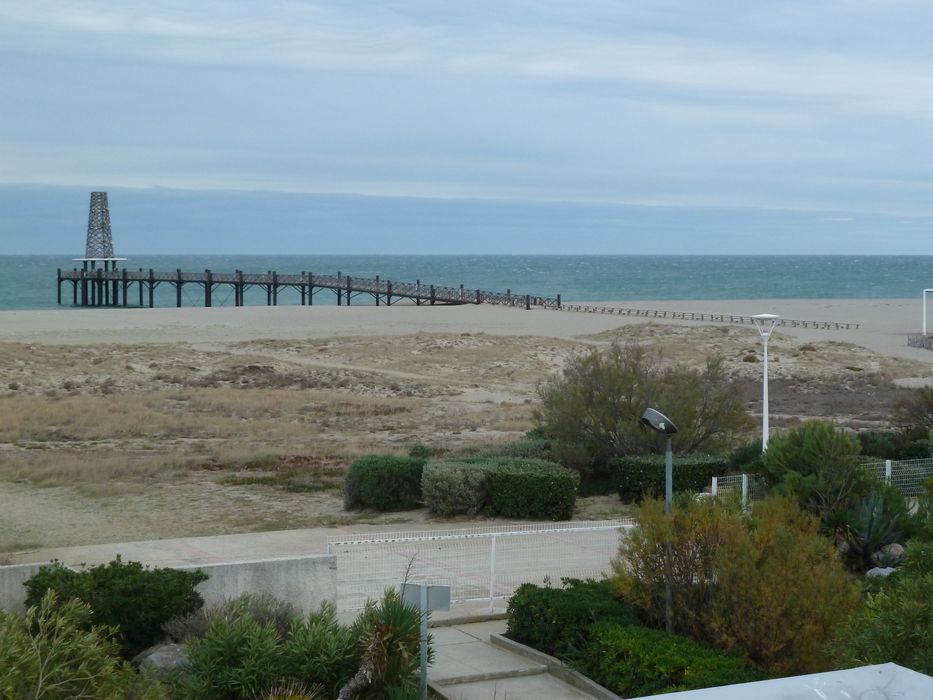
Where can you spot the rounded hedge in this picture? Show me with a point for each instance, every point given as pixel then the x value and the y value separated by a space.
pixel 384 483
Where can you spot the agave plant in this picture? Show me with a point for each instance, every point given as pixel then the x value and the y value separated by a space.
pixel 876 521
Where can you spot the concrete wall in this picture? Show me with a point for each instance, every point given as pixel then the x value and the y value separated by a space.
pixel 305 582
pixel 12 592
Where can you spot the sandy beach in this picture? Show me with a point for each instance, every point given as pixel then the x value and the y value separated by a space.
pixel 139 424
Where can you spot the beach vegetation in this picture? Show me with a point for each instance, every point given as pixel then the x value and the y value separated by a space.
pixel 642 476
pixel 635 661
pixel 507 487
pixel 384 483
pixel 598 399
pixel 895 623
pixel 914 408
pixel 588 626
pixel 56 652
pixel 766 583
pixel 242 655
pixel 818 465
pixel 133 600
pixel 557 620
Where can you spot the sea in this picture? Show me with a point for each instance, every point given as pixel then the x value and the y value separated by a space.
pixel 28 281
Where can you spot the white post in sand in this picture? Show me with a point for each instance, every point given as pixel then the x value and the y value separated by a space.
pixel 925 292
pixel 765 324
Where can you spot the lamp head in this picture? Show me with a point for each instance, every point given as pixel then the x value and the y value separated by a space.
pixel 658 422
pixel 765 323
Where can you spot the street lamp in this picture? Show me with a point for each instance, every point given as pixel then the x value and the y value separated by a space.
pixel 765 324
pixel 663 425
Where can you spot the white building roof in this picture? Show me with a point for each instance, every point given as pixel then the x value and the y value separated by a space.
pixel 881 682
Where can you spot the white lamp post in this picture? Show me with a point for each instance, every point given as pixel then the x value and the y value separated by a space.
pixel 765 324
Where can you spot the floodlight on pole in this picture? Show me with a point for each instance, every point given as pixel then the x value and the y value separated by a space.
pixel 663 425
pixel 765 324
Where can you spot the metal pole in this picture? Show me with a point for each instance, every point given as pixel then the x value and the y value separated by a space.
pixel 424 641
pixel 764 399
pixel 668 570
pixel 925 291
pixel 492 573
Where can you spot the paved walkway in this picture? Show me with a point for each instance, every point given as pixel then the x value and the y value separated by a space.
pixel 467 667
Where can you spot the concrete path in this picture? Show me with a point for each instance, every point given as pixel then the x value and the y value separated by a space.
pixel 467 667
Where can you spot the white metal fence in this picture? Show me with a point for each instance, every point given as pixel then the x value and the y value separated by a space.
pixel 907 475
pixel 483 563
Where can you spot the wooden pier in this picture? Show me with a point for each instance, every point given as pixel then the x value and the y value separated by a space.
pixel 109 286
pixel 113 287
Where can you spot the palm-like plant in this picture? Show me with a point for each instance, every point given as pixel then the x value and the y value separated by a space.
pixel 390 636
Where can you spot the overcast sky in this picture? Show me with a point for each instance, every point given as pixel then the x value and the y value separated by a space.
pixel 790 105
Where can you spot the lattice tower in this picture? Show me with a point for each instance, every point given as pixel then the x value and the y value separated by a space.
pixel 99 236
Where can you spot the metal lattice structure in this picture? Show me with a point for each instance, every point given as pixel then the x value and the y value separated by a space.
pixel 99 235
pixel 482 563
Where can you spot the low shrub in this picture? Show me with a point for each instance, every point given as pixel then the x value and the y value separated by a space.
pixel 134 599
pixel 502 486
pixel 384 483
pixel 634 661
pixel 56 653
pixel 766 582
pixel 895 625
pixel 594 477
pixel 455 487
pixel 531 489
pixel 241 657
pixel 262 607
pixel 896 444
pixel 556 620
pixel 643 476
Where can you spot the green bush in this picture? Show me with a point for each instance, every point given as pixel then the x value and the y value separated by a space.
pixel 556 620
pixel 56 653
pixel 241 658
pixel 455 487
pixel 384 483
pixel 593 479
pixel 643 476
pixel 598 399
pixel 634 661
pixel 765 582
pixel 895 625
pixel 531 488
pixel 818 466
pixel 420 451
pixel 910 443
pixel 502 486
pixel 136 600
pixel 262 607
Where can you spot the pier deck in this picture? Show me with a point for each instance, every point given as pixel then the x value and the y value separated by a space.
pixel 109 287
pixel 112 287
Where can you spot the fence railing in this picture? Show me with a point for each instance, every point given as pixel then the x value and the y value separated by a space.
pixel 485 563
pixel 907 475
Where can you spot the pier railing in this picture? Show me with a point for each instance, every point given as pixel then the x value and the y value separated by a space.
pixel 100 287
pixel 103 287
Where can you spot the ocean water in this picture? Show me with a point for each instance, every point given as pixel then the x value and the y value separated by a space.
pixel 28 282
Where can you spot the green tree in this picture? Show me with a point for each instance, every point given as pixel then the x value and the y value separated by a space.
pixel 817 464
pixel 599 397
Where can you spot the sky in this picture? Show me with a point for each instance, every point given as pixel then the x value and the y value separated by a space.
pixel 815 114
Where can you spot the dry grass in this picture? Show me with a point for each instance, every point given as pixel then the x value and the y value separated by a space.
pixel 133 442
